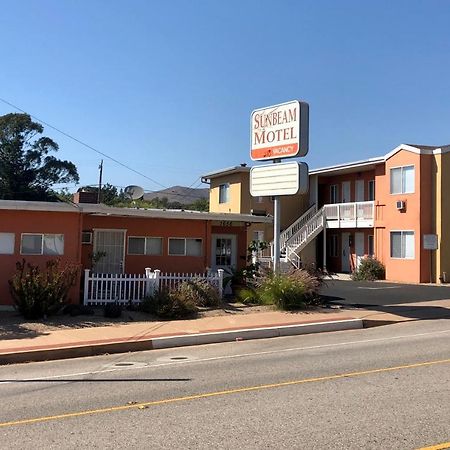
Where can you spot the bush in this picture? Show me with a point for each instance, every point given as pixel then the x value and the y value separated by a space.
pixel 295 290
pixel 201 292
pixel 170 304
pixel 370 269
pixel 248 296
pixel 36 293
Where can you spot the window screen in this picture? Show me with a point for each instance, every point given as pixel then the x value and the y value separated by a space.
pixel 177 246
pixel 153 246
pixel 136 246
pixel 194 247
pixel 31 244
pixel 7 243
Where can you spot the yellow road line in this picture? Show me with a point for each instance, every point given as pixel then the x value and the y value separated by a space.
pixel 221 393
pixel 442 446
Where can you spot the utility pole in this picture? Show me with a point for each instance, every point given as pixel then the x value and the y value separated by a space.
pixel 100 167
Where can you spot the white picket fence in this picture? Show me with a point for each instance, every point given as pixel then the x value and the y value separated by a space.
pixel 122 289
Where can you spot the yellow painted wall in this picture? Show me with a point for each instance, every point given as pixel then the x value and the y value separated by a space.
pixel 234 205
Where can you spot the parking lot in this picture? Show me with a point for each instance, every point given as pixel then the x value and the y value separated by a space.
pixel 366 293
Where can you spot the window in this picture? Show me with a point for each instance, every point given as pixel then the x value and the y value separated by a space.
pixel 258 236
pixel 333 193
pixel 144 246
pixel 86 237
pixel 402 180
pixel 185 247
pixel 370 245
pixel 42 244
pixel 7 243
pixel 224 193
pixel 371 193
pixel 402 244
pixel 333 249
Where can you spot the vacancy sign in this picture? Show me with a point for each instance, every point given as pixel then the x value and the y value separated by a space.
pixel 279 179
pixel 280 131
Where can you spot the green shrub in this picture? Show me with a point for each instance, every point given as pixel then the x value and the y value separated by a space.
pixel 170 304
pixel 370 269
pixel 295 290
pixel 248 296
pixel 39 293
pixel 201 292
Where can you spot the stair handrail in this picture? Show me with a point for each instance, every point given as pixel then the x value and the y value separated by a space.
pixel 292 229
pixel 315 222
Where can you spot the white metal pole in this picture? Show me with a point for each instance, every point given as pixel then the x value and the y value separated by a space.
pixel 276 234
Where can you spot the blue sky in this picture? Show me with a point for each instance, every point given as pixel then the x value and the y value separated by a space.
pixel 167 87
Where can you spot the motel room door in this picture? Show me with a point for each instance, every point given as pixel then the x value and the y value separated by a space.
pixel 109 245
pixel 345 265
pixel 359 248
pixel 345 192
pixel 223 251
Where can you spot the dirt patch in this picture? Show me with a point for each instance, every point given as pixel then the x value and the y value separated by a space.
pixel 14 326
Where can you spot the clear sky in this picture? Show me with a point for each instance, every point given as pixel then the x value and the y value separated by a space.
pixel 167 87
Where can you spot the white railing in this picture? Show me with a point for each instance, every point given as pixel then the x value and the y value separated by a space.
pixel 350 212
pixel 104 288
pixel 292 229
pixel 305 234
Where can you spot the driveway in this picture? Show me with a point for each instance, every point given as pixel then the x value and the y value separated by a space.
pixel 364 293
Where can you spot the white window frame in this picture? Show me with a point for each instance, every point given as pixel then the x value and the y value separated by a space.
pixel 86 233
pixel 145 245
pixel 402 250
pixel 226 190
pixel 185 246
pixel 334 197
pixel 371 190
pixel 42 235
pixel 402 189
pixel 8 234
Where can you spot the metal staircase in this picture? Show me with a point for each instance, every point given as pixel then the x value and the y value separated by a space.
pixel 303 236
pixel 299 234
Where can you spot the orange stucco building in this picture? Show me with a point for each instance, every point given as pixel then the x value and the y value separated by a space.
pixel 390 207
pixel 118 240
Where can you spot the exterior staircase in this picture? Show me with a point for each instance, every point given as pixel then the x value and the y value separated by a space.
pixel 298 235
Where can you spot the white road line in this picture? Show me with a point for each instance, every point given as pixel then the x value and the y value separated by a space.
pixel 216 358
pixel 379 288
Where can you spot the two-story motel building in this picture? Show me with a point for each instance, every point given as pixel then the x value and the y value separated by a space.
pixel 382 207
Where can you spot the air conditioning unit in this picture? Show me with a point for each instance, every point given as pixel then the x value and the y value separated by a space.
pixel 86 237
pixel 401 205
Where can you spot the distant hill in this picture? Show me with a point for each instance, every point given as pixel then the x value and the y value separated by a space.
pixel 180 194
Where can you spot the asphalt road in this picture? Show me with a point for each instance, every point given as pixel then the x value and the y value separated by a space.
pixel 381 293
pixel 379 388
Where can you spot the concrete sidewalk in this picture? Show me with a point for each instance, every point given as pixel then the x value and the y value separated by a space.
pixel 77 342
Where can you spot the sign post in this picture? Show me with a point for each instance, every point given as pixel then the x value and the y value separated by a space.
pixel 430 242
pixel 279 131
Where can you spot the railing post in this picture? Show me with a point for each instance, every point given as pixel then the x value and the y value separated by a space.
pixel 148 276
pixel 157 280
pixel 220 273
pixel 355 212
pixel 86 286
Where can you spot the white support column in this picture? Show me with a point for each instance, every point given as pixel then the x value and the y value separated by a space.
pixel 86 286
pixel 276 234
pixel 220 273
pixel 324 245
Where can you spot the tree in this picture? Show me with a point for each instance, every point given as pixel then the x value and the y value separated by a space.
pixel 27 171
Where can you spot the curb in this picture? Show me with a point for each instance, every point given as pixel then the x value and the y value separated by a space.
pixel 125 346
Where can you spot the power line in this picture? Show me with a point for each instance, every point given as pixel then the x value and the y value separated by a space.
pixel 84 143
pixel 90 147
